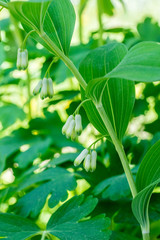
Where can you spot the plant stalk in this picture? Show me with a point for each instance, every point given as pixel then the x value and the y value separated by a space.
pixel 99 10
pixel 65 59
pixel 146 236
pixel 29 95
pixel 119 148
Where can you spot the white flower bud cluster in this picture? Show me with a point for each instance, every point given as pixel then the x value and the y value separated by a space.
pixel 22 59
pixel 45 87
pixel 90 160
pixel 73 126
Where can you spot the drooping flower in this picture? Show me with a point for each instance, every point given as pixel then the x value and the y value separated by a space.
pixel 74 129
pixel 45 87
pixel 80 157
pixel 22 59
pixel 87 163
pixel 93 161
pixel 70 129
pixel 38 87
pixel 66 125
pixel 89 157
pixel 78 124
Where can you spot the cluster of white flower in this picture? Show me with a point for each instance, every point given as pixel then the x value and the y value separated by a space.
pixel 45 87
pixel 22 59
pixel 90 159
pixel 73 126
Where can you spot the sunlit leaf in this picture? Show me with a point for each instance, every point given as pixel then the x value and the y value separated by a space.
pixel 113 93
pixel 54 181
pixel 56 18
pixel 67 224
pixel 113 188
pixel 15 227
pixel 148 177
pixel 141 63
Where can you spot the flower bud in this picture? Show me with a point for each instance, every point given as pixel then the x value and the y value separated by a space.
pixel 22 59
pixel 43 93
pixel 93 161
pixel 78 124
pixel 74 135
pixel 37 88
pixel 70 129
pixel 80 157
pixel 87 162
pixel 66 125
pixel 50 88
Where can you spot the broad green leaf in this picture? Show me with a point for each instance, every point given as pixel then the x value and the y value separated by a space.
pixel 141 63
pixel 113 93
pixel 56 18
pixel 53 181
pixel 31 13
pixel 148 177
pixel 10 113
pixel 15 227
pixel 113 188
pixel 69 223
pixel 36 150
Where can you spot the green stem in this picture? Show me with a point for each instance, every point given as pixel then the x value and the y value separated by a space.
pixel 119 149
pixel 43 236
pixel 3 4
pixel 146 236
pixel 80 105
pixel 50 65
pixel 100 23
pixel 80 27
pixel 29 95
pixel 24 42
pixel 65 59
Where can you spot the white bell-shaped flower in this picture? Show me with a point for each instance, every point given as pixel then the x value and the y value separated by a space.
pixel 93 161
pixel 50 88
pixel 44 92
pixel 22 59
pixel 87 162
pixel 80 157
pixel 70 129
pixel 37 88
pixel 78 124
pixel 66 125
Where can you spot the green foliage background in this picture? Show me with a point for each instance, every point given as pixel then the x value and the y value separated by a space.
pixel 40 188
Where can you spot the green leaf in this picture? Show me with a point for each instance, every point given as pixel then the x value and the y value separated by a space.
pixel 112 93
pixel 148 177
pixel 15 227
pixel 141 63
pixel 36 150
pixel 69 223
pixel 31 13
pixel 113 188
pixel 10 114
pixel 54 181
pixel 56 18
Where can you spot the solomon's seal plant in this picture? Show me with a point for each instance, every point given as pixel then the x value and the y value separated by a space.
pixel 107 76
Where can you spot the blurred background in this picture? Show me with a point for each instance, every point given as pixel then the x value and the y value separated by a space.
pixel 30 129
